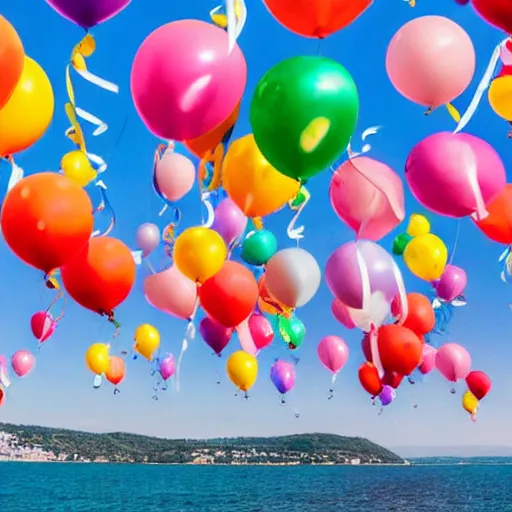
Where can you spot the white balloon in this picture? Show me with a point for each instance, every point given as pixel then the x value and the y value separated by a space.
pixel 293 277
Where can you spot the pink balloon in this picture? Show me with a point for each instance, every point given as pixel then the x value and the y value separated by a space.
pixel 454 174
pixel 453 361
pixel 43 325
pixel 255 333
pixel 174 176
pixel 147 237
pixel 431 60
pixel 428 361
pixel 171 292
pixel 184 80
pixel 368 196
pixel 452 283
pixel 230 221
pixel 333 353
pixel 342 314
pixel 167 367
pixel 23 362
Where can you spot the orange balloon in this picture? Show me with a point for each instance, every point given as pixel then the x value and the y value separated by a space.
pixel 12 59
pixel 498 224
pixel 421 318
pixel 209 141
pixel 116 370
pixel 101 276
pixel 267 303
pixel 47 220
pixel 316 18
pixel 369 378
pixel 400 349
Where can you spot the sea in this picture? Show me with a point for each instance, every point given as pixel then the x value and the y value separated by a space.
pixel 67 487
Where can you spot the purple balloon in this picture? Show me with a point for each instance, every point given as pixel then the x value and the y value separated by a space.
pixel 216 335
pixel 282 374
pixel 88 13
pixel 230 221
pixel 343 274
pixel 452 283
pixel 167 367
pixel 147 237
pixel 387 395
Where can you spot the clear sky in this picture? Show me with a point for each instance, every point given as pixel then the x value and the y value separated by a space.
pixel 59 393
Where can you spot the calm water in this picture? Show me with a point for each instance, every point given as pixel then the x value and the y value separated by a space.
pixel 32 487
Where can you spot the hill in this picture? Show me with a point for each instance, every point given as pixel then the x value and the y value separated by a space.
pixel 21 442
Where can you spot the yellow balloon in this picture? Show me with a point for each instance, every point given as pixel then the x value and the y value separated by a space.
pixel 500 96
pixel 470 403
pixel 147 340
pixel 242 370
pixel 418 225
pixel 29 111
pixel 97 358
pixel 199 253
pixel 77 167
pixel 426 257
pixel 252 183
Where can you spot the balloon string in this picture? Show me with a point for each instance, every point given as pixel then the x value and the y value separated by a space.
pixel 190 334
pixel 231 17
pixel 104 205
pixel 457 233
pixel 16 175
pixel 297 205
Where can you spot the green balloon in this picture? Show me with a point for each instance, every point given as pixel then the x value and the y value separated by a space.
pixel 303 113
pixel 400 243
pixel 292 330
pixel 259 247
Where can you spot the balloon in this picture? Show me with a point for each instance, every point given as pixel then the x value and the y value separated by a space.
pixel 230 296
pixel 428 359
pixel 184 81
pixel 255 333
pixel 392 379
pixel 267 303
pixel 230 221
pixel 454 174
pixel 369 379
pixel 333 353
pixel 400 243
pixel 316 19
pixel 88 13
pixel 498 224
pixel 147 340
pixel 421 318
pixel 342 314
pixel 199 253
pixel 101 276
pixel 282 375
pixel 366 347
pixel 76 166
pixel 300 125
pixel 387 395
pixel 252 183
pixel 292 330
pixel 174 176
pixel 242 370
pixel 46 220
pixel 2 396
pixel 453 361
pixel 171 292
pixel 470 404
pixel 116 370
pixel 452 283
pixel 258 247
pixel 214 334
pixel 167 367
pixel 29 111
pixel 11 60
pixel 147 238
pixel 293 277
pixel 23 362
pixel 43 325
pixel 430 60
pixel 426 256
pixel 97 358
pixel 209 141
pixel 479 384
pixel 400 349
pixel 345 277
pixel 368 196
pixel 418 225
pixel 500 96
pixel 495 12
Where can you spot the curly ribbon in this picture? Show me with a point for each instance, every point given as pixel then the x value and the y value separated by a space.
pixel 372 130
pixel 104 205
pixel 4 372
pixel 232 17
pixel 190 334
pixel 16 175
pixel 297 205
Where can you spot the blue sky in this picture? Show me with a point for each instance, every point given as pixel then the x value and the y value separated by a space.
pixel 59 393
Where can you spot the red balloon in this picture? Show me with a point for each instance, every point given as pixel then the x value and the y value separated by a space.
pixel 479 383
pixel 392 379
pixel 101 276
pixel 495 12
pixel 421 318
pixel 498 224
pixel 400 349
pixel 505 71
pixel 369 379
pixel 2 396
pixel 366 347
pixel 231 295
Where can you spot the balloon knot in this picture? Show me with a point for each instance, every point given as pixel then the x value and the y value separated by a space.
pixel 429 111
